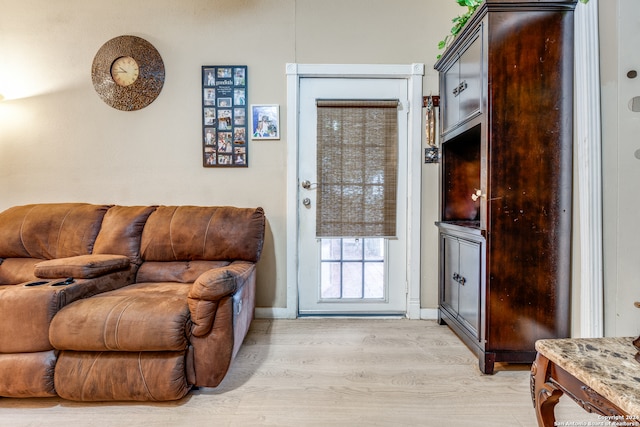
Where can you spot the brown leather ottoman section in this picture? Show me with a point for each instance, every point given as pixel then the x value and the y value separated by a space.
pixel 139 317
pixel 142 376
pixel 27 374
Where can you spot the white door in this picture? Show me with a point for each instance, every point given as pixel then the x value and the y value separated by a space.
pixel 627 316
pixel 349 275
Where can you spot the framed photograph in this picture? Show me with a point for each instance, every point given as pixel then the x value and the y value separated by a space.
pixel 224 116
pixel 265 121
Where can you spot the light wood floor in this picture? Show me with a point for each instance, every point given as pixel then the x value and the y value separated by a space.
pixel 328 372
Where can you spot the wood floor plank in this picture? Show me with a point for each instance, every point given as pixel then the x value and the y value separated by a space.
pixel 329 372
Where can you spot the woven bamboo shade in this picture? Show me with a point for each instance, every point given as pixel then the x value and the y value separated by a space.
pixel 357 168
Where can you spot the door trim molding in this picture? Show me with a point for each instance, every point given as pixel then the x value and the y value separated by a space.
pixel 588 139
pixel 413 74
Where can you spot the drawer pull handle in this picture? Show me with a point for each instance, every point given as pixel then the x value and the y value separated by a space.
pixel 458 278
pixel 462 86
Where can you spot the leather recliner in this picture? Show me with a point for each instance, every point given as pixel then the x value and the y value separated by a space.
pixel 101 302
pixel 179 325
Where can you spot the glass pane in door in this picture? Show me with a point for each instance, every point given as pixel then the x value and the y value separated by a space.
pixel 352 269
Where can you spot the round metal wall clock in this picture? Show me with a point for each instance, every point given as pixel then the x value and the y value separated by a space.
pixel 128 73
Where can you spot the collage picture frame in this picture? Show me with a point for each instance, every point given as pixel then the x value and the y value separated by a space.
pixel 225 137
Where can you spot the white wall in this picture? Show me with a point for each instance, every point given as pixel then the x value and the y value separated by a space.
pixel 619 22
pixel 60 142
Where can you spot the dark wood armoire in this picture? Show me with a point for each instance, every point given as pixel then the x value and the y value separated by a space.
pixel 506 115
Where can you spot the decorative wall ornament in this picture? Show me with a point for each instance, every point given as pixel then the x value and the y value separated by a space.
pixel 431 154
pixel 127 73
pixel 224 116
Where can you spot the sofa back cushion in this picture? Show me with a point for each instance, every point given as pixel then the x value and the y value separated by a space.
pixel 17 270
pixel 121 231
pixel 48 231
pixel 197 233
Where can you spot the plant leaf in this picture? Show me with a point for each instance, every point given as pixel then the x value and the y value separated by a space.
pixel 460 21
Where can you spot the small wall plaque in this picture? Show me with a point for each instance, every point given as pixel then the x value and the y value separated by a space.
pixel 431 155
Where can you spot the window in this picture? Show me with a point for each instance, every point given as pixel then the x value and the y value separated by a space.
pixel 352 268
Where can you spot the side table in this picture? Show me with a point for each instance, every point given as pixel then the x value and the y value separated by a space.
pixel 600 374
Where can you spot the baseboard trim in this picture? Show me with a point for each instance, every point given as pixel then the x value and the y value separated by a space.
pixel 273 313
pixel 284 313
pixel 429 313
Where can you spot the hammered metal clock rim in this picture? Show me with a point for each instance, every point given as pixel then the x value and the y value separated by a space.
pixel 151 75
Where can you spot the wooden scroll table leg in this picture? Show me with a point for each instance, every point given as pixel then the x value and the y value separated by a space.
pixel 544 394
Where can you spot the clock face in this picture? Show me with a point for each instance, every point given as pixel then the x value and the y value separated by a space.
pixel 125 71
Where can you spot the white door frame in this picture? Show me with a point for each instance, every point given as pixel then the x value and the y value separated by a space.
pixel 588 140
pixel 413 73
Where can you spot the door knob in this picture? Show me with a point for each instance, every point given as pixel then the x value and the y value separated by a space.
pixel 306 184
pixel 306 201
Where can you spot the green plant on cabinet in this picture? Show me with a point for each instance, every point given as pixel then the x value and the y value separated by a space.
pixel 461 20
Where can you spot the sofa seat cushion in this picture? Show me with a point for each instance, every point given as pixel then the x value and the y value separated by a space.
pixel 176 271
pixel 139 317
pixel 17 270
pixel 141 376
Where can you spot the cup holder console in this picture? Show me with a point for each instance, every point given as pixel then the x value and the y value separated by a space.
pixel 64 282
pixel 39 283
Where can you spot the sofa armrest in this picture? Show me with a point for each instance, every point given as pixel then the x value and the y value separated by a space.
pixel 210 288
pixel 81 266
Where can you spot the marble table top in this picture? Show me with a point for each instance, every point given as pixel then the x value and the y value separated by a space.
pixel 607 365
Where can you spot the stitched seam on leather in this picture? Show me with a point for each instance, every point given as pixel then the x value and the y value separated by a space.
pixel 173 215
pixel 22 231
pixel 144 380
pixel 117 325
pixel 206 233
pixel 244 274
pixel 88 376
pixel 60 232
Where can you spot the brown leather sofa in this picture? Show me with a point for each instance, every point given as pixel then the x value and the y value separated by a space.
pixel 103 302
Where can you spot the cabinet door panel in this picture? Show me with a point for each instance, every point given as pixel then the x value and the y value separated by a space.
pixel 450 83
pixel 469 291
pixel 449 292
pixel 470 86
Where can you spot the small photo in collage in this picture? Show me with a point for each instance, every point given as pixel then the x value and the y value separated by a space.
pixel 224 116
